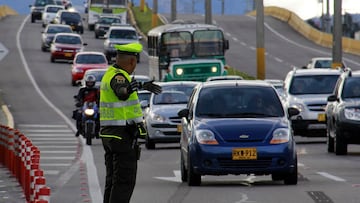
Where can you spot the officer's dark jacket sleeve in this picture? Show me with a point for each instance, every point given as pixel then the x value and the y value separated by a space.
pixel 119 84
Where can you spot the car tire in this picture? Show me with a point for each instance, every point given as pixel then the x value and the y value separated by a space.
pixel 193 179
pixel 329 141
pixel 340 143
pixel 43 49
pixel 149 144
pixel 52 59
pixel 183 170
pixel 277 177
pixel 96 36
pixel 291 178
pixel 32 19
pixel 73 83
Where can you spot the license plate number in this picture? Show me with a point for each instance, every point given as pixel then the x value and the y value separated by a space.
pixel 321 117
pixel 68 54
pixel 179 128
pixel 244 154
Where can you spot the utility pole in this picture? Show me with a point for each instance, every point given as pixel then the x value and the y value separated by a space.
pixel 337 35
pixel 260 50
pixel 208 17
pixel 142 5
pixel 173 10
pixel 154 14
pixel 327 18
pixel 222 7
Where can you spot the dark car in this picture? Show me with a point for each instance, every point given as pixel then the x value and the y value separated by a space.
pixel 104 23
pixel 237 127
pixel 49 32
pixel 343 113
pixel 72 18
pixel 38 7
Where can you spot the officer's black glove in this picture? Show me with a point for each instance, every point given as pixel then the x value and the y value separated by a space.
pixel 142 132
pixel 150 86
pixel 133 86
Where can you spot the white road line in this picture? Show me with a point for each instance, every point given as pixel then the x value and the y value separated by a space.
pixel 54 164
pixel 57 147
pixel 332 177
pixel 56 158
pixel 25 131
pixel 37 143
pixel 51 138
pixel 41 126
pixel 50 135
pixel 58 152
pixel 51 172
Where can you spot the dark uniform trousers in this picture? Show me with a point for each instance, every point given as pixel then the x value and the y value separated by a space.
pixel 121 166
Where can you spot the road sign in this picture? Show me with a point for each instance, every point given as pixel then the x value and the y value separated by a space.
pixel 3 51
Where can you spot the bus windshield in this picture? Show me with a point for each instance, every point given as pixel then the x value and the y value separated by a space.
pixel 177 44
pixel 111 2
pixel 208 43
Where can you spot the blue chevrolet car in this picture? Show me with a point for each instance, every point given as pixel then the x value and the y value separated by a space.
pixel 237 127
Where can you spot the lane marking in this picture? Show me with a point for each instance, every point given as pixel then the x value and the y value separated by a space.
pixel 332 177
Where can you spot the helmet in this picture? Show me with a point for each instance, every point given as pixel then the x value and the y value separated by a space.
pixel 90 81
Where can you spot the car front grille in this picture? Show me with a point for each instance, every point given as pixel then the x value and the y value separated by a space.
pixel 316 107
pixel 259 163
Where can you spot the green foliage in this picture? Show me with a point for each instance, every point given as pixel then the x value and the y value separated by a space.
pixel 232 71
pixel 144 19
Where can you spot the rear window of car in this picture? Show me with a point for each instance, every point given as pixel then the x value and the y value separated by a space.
pixel 90 59
pixel 54 30
pixel 71 15
pixel 66 39
pixel 52 9
pixel 123 34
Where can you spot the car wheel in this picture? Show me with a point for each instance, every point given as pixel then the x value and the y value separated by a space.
pixel 193 179
pixel 329 141
pixel 96 36
pixel 52 60
pixel 32 20
pixel 183 169
pixel 43 48
pixel 73 83
pixel 276 177
pixel 291 178
pixel 340 144
pixel 149 144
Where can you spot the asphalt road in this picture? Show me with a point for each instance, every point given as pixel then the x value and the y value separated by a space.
pixel 39 94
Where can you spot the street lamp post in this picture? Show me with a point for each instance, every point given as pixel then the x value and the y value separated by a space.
pixel 260 50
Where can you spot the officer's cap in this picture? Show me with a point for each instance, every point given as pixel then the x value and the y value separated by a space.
pixel 129 49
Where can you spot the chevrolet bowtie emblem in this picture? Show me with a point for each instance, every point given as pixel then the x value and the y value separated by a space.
pixel 244 136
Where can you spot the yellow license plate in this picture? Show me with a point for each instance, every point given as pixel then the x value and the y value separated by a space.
pixel 244 154
pixel 321 117
pixel 179 128
pixel 68 54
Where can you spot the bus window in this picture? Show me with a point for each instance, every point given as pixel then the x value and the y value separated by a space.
pixel 177 44
pixel 208 43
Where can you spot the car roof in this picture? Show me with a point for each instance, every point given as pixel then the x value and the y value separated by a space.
pixel 58 25
pixel 219 83
pixel 53 5
pixel 178 83
pixel 317 71
pixel 68 34
pixel 122 27
pixel 91 52
pixel 225 77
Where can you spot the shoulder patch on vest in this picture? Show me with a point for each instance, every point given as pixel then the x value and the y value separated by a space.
pixel 120 79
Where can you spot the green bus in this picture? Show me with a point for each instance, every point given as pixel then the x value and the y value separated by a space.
pixel 186 51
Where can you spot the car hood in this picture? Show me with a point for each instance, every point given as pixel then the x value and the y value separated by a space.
pixel 168 110
pixel 242 129
pixel 122 41
pixel 352 102
pixel 90 66
pixel 309 98
pixel 68 46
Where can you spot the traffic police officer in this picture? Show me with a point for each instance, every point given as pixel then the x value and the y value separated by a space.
pixel 121 120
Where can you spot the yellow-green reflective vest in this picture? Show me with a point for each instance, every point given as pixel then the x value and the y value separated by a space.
pixel 114 112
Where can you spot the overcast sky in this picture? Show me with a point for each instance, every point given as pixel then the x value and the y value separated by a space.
pixel 309 8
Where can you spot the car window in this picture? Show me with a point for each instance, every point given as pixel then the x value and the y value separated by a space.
pixel 71 15
pixel 123 34
pixel 53 9
pixel 313 84
pixel 187 89
pixel 43 2
pixel 54 29
pixel 226 102
pixel 144 96
pixel 68 39
pixel 90 59
pixel 351 88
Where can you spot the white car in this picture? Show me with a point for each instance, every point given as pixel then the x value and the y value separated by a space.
pixel 321 62
pixel 49 13
pixel 308 90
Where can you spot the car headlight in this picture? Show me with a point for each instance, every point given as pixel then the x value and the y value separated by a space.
pixel 53 48
pixel 205 137
pixel 352 114
pixel 157 117
pixel 299 106
pixel 77 70
pixel 280 135
pixel 89 112
pixel 179 71
pixel 214 69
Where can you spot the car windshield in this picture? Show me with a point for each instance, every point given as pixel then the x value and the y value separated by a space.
pixel 67 39
pixel 55 29
pixel 90 59
pixel 185 88
pixel 313 84
pixel 144 96
pixel 326 63
pixel 123 34
pixel 351 88
pixel 238 102
pixel 52 9
pixel 43 2
pixel 109 21
pixel 98 74
pixel 170 97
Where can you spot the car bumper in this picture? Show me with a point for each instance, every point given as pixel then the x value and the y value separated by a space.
pixel 163 133
pixel 77 76
pixel 309 127
pixel 217 160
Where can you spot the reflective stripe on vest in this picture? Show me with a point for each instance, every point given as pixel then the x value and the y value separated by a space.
pixel 113 111
pixel 111 136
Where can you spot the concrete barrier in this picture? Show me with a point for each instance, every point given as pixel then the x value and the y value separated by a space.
pixel 321 38
pixel 5 11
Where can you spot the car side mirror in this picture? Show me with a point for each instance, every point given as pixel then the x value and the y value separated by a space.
pixel 183 113
pixel 144 104
pixel 85 44
pixel 332 98
pixel 140 37
pixel 293 111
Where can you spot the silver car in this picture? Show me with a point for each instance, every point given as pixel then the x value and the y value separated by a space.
pixel 161 119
